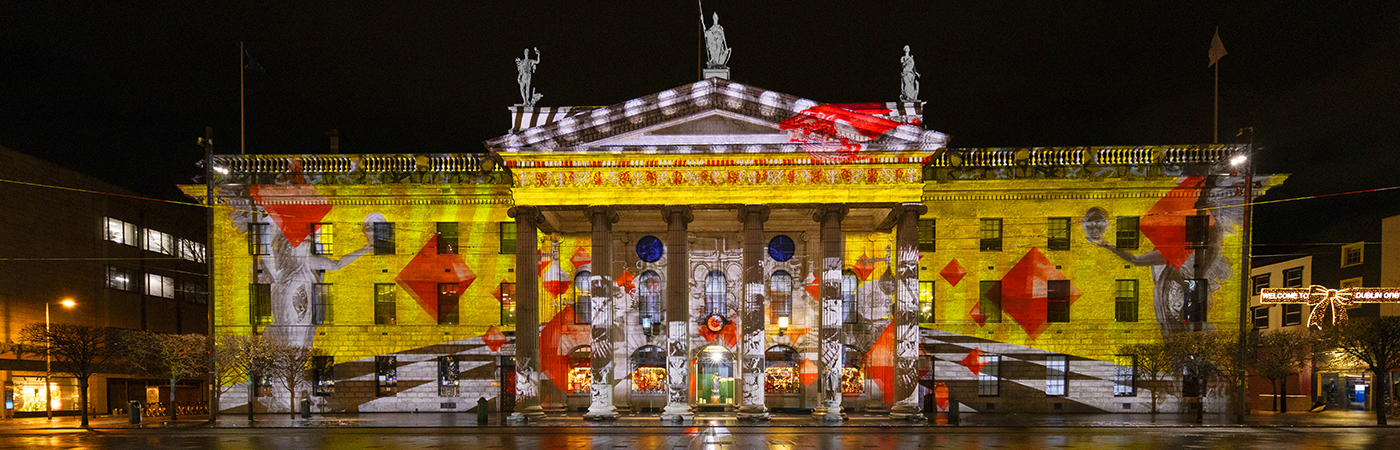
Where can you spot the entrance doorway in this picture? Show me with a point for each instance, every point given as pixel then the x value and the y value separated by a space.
pixel 714 378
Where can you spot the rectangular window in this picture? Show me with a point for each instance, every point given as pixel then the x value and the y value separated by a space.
pixel 1056 375
pixel 386 375
pixel 507 238
pixel 508 304
pixel 260 303
pixel 193 292
pixel 988 383
pixel 990 235
pixel 1293 277
pixel 1058 234
pixel 322 238
pixel 1292 314
pixel 191 251
pixel 448 372
pixel 119 278
pixel 1260 317
pixel 383 238
pixel 926 302
pixel 321 304
pixel 259 241
pixel 989 302
pixel 1125 302
pixel 583 306
pixel 1353 254
pixel 385 306
pixel 160 286
pixel 122 232
pixel 159 242
pixel 447 304
pixel 323 375
pixel 446 238
pixel 1057 301
pixel 1197 292
pixel 1125 376
pixel 1127 232
pixel 1197 231
pixel 928 235
pixel 1260 282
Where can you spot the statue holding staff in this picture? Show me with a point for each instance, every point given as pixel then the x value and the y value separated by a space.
pixel 525 68
pixel 715 44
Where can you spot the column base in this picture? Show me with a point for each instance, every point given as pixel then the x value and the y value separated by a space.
pixel 601 413
pixel 677 412
pixel 754 413
pixel 830 412
pixel 532 414
pixel 906 412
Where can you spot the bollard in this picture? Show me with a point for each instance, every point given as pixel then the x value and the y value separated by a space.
pixel 953 412
pixel 133 411
pixel 306 408
pixel 482 412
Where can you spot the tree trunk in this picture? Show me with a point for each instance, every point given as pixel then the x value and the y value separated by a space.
pixel 252 395
pixel 1276 383
pixel 171 406
pixel 1380 401
pixel 292 392
pixel 1283 387
pixel 83 399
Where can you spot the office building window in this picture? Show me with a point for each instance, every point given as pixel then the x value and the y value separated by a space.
pixel 1197 293
pixel 507 238
pixel 649 302
pixel 1260 282
pixel 320 304
pixel 1125 304
pixel 1058 234
pixel 193 292
pixel 386 375
pixel 1197 231
pixel 191 251
pixel 259 241
pixel 1125 376
pixel 715 288
pixel 1259 316
pixel 989 235
pixel 1056 375
pixel 850 312
pixel 122 232
pixel 323 375
pixel 159 242
pixel 386 310
pixel 322 238
pixel 119 278
pixel 446 238
pixel 1057 301
pixel 1353 254
pixel 447 304
pixel 383 233
pixel 160 286
pixel 1127 228
pixel 988 382
pixel 1293 277
pixel 989 302
pixel 1292 314
pixel 449 370
pixel 583 306
pixel 260 303
pixel 926 302
pixel 928 235
pixel 507 304
pixel 779 296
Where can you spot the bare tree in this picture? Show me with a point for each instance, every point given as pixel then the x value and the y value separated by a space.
pixel 1155 364
pixel 172 357
pixel 1372 343
pixel 290 365
pixel 238 359
pixel 77 350
pixel 1280 354
pixel 1201 356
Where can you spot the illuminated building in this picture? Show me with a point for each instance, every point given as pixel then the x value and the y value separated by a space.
pixel 661 242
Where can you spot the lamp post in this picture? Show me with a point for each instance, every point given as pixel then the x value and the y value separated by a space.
pixel 48 357
pixel 1246 290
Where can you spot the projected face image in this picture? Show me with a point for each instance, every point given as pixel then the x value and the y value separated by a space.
pixel 1095 224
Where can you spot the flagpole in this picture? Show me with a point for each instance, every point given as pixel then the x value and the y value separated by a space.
pixel 1216 130
pixel 242 135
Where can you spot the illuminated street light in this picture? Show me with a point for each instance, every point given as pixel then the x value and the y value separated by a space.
pixel 1238 160
pixel 48 356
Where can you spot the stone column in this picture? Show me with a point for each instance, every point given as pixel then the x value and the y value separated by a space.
pixel 906 312
pixel 601 407
pixel 833 250
pixel 677 313
pixel 751 317
pixel 527 315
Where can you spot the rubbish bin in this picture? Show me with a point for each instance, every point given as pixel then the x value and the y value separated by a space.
pixel 482 411
pixel 133 411
pixel 305 408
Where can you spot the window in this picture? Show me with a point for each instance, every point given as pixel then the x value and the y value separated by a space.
pixel 779 296
pixel 990 235
pixel 259 241
pixel 1056 374
pixel 260 303
pixel 262 384
pixel 159 242
pixel 850 312
pixel 1057 301
pixel 989 303
pixel 447 304
pixel 1260 317
pixel 1197 231
pixel 1260 282
pixel 383 238
pixel 193 292
pixel 1125 304
pixel 1293 277
pixel 191 251
pixel 649 297
pixel 1197 291
pixel 119 278
pixel 926 302
pixel 1125 376
pixel 386 375
pixel 322 239
pixel 1292 314
pixel 448 371
pixel 320 304
pixel 715 286
pixel 323 375
pixel 385 306
pixel 1058 234
pixel 1350 283
pixel 446 238
pixel 988 383
pixel 122 232
pixel 928 235
pixel 583 305
pixel 507 304
pixel 507 238
pixel 1127 232
pixel 160 286
pixel 1352 254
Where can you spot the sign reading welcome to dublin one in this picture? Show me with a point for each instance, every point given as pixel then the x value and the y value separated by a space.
pixel 1324 300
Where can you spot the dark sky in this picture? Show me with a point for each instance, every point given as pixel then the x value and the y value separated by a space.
pixel 121 92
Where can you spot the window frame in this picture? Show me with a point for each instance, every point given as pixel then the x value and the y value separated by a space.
pixel 990 233
pixel 126 285
pixel 260 303
pixel 192 251
pixel 383 239
pixel 986 302
pixel 1197 231
pixel 1292 314
pixel 988 378
pixel 928 235
pixel 1199 290
pixel 322 238
pixel 1293 277
pixel 159 242
pixel 449 376
pixel 160 286
pixel 1259 316
pixel 649 302
pixel 121 232
pixel 926 299
pixel 1058 233
pixel 386 300
pixel 1057 294
pixel 449 312
pixel 779 295
pixel 850 297
pixel 386 375
pixel 259 239
pixel 583 299
pixel 1119 389
pixel 322 306
pixel 716 292
pixel 1122 303
pixel 1128 232
pixel 1259 282
pixel 507 232
pixel 1056 375
pixel 1360 252
pixel 447 234
pixel 507 290
pixel 322 375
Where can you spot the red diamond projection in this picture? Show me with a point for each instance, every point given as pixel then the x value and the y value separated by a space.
pixel 863 267
pixel 1165 223
pixel 295 221
pixel 977 315
pixel 814 288
pixel 625 281
pixel 1023 291
pixel 494 339
pixel 581 258
pixel 953 272
pixel 428 269
pixel 973 361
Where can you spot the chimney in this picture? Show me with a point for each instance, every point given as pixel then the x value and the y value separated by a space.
pixel 334 134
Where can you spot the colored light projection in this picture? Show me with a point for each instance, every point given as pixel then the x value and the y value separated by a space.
pixel 1326 301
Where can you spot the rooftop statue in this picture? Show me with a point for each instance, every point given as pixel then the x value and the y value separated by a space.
pixel 715 44
pixel 908 78
pixel 526 68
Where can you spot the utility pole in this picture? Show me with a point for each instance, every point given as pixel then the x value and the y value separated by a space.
pixel 208 143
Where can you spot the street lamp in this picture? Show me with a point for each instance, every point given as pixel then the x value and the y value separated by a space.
pixel 48 357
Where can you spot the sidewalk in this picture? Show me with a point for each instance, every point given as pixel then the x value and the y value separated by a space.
pixel 469 420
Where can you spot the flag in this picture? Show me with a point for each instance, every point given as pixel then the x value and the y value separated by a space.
pixel 1217 49
pixel 251 64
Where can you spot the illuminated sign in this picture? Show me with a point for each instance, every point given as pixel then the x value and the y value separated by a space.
pixel 1326 300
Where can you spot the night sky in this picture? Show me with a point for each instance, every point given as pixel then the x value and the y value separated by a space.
pixel 121 93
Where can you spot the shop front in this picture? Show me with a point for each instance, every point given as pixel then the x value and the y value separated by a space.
pixel 648 378
pixel 783 378
pixel 714 378
pixel 29 396
pixel 580 378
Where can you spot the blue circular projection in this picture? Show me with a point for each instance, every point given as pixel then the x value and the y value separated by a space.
pixel 649 249
pixel 781 248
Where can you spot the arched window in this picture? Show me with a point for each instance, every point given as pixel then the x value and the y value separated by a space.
pixel 852 374
pixel 849 282
pixel 583 306
pixel 783 372
pixel 649 369
pixel 649 301
pixel 780 296
pixel 714 292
